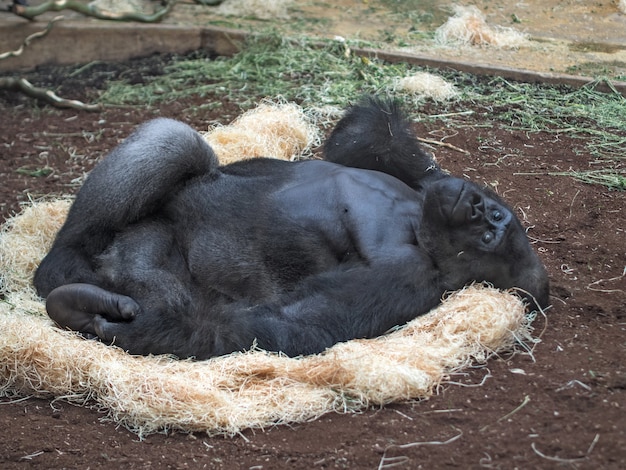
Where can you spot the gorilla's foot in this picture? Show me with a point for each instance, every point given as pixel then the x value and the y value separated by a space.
pixel 89 309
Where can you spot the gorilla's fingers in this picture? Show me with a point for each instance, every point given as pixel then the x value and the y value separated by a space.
pixel 81 307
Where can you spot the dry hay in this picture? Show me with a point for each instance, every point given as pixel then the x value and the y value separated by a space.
pixel 622 6
pixel 261 9
pixel 427 85
pixel 468 26
pixel 224 395
pixel 278 130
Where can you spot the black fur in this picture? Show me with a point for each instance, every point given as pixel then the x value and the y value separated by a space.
pixel 164 251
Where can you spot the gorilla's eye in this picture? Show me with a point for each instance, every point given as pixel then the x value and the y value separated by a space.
pixel 487 237
pixel 497 215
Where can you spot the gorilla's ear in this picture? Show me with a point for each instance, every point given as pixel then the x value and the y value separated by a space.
pixel 376 134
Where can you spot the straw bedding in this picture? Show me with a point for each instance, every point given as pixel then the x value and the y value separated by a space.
pixel 251 389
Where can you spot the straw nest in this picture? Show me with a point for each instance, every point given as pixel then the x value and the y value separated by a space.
pixel 251 389
pixel 469 27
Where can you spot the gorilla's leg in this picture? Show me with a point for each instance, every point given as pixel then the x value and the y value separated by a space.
pixel 376 135
pixel 131 182
pixel 87 308
pixel 146 301
pixel 149 166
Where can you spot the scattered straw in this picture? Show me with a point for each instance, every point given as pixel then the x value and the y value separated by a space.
pixel 278 130
pixel 261 9
pixel 468 26
pixel 254 389
pixel 562 460
pixel 427 85
pixel 622 6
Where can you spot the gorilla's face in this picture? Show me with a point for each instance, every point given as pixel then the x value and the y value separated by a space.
pixel 476 219
pixel 471 234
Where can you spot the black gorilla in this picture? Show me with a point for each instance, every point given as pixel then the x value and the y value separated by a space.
pixel 165 251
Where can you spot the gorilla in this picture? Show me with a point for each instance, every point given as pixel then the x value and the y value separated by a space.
pixel 164 251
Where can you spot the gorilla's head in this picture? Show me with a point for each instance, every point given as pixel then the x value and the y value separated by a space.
pixel 472 235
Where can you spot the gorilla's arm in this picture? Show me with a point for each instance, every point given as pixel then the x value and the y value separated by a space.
pixel 149 166
pixel 361 302
pixel 376 135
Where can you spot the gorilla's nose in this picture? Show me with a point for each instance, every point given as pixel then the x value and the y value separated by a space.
pixel 476 208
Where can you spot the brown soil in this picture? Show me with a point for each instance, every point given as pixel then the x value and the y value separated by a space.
pixel 564 406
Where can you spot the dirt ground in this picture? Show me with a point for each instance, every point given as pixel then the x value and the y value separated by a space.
pixel 561 407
